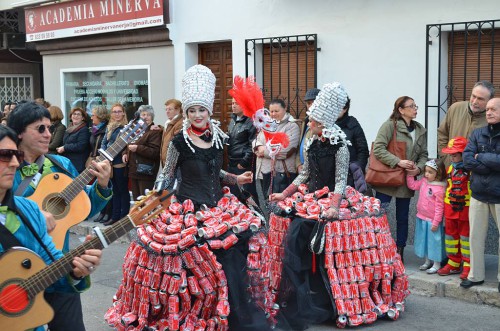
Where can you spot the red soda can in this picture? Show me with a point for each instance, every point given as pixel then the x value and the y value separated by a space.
pixel 193 230
pixel 336 291
pixel 215 244
pixel 196 254
pixel 340 260
pixel 186 242
pixel 173 321
pixel 221 278
pixel 336 244
pixel 128 318
pixel 346 228
pixel 176 264
pixel 362 225
pixel 205 285
pixel 154 297
pixel 337 229
pixel 366 257
pixel 374 256
pixel 349 307
pixel 209 300
pixel 354 226
pixel 175 208
pixel 222 308
pixel 188 259
pixel 363 240
pixel 328 230
pixel 309 197
pixel 377 274
pixel 229 241
pixel 386 271
pixel 159 237
pixel 240 227
pixel 359 272
pixel 303 189
pixel 321 192
pixel 175 284
pixel 346 291
pixel 386 286
pixel 377 298
pixel 143 311
pixel 351 275
pixel 222 292
pixel 137 291
pixel 369 273
pixel 355 320
pixel 190 220
pixel 188 206
pixel 364 290
pixel 346 243
pixel 297 196
pixel 220 229
pixel 200 325
pixel 357 257
pixel 197 272
pixel 341 308
pixel 197 305
pixel 167 263
pixel 148 278
pixel 399 268
pixel 172 238
pixel 342 275
pixel 285 207
pixel 169 248
pixel 372 240
pixel 355 242
pixel 329 260
pixel 357 306
pixel 173 304
pixel 139 274
pixel 349 259
pixel 212 279
pixel 355 290
pixel 332 276
pixel 183 276
pixel 367 305
pixel 163 296
pixel 143 258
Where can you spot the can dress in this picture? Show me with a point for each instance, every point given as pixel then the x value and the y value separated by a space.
pixel 193 256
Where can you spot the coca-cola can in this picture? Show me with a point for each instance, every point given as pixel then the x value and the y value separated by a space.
pixel 193 230
pixel 329 260
pixel 175 284
pixel 337 290
pixel 143 311
pixel 175 208
pixel 176 264
pixel 190 220
pixel 240 227
pixel 332 276
pixel 163 296
pixel 340 260
pixel 336 228
pixel 372 239
pixel 173 321
pixel 355 242
pixel 374 256
pixel 349 307
pixel 197 272
pixel 363 240
pixel 355 290
pixel 196 253
pixel 386 286
pixel 357 257
pixel 169 249
pixel 172 238
pixel 351 275
pixel 366 257
pixel 357 306
pixel 173 304
pixel 386 271
pixel 341 308
pixel 346 244
pixel 186 242
pixel 359 272
pixel 346 291
pixel 188 206
pixel 139 274
pixel 346 227
pixel 205 285
pixel 154 297
pixel 223 292
pixel 222 308
pixel 148 278
pixel 377 273
pixel 354 226
pixel 215 244
pixel 143 258
pixel 342 275
pixel 363 288
pixel 355 320
pixel 229 241
pixel 399 268
pixel 369 273
pixel 221 278
pixel 197 305
pixel 349 259
pixel 188 259
pixel 128 318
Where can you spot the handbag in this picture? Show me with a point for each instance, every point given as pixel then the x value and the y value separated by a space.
pixel 380 174
pixel 144 169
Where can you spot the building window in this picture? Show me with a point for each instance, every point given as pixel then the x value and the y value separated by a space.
pixel 87 88
pixel 15 88
pixel 284 67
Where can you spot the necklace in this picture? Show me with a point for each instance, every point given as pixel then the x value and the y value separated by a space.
pixel 204 134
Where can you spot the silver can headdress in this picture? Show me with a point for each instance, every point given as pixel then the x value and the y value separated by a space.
pixel 198 88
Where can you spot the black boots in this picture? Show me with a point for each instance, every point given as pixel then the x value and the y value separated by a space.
pixel 401 250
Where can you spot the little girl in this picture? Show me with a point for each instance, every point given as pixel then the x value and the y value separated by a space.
pixel 429 232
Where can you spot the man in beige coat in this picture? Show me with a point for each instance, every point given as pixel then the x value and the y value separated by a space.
pixel 173 125
pixel 465 116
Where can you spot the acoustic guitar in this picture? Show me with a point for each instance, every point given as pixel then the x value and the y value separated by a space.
pixel 25 276
pixel 65 198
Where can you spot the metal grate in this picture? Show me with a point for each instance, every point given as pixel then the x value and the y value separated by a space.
pixel 457 56
pixel 15 88
pixel 285 67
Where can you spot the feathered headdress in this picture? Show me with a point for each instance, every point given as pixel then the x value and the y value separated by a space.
pixel 248 95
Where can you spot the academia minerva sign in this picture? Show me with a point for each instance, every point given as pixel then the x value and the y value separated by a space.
pixel 77 18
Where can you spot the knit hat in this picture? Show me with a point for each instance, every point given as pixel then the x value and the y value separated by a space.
pixel 311 94
pixel 432 164
pixel 198 88
pixel 328 104
pixel 455 145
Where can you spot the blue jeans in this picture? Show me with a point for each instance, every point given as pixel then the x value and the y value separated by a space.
pixel 402 211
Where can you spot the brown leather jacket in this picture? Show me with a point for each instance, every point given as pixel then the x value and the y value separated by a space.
pixel 172 128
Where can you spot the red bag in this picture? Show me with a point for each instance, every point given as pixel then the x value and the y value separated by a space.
pixel 380 174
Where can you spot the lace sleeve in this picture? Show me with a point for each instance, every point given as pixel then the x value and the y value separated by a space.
pixel 341 169
pixel 166 178
pixel 228 178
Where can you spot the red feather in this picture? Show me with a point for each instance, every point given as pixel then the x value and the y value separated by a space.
pixel 276 138
pixel 247 94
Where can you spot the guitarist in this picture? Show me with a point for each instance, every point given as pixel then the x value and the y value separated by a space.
pixel 31 122
pixel 30 231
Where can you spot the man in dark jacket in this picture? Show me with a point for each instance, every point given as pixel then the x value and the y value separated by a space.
pixel 482 157
pixel 241 134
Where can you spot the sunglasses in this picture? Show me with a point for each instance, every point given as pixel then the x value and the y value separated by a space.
pixel 41 128
pixel 7 154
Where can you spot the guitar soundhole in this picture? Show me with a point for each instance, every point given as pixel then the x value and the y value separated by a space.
pixel 55 205
pixel 13 298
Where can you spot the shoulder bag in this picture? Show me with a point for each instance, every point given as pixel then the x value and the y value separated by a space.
pixel 380 174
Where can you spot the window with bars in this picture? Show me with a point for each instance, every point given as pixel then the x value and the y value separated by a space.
pixel 285 68
pixel 14 88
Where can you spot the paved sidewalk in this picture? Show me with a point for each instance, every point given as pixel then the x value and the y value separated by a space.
pixel 420 281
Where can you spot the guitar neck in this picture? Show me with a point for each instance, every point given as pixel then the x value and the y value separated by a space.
pixel 49 275
pixel 79 183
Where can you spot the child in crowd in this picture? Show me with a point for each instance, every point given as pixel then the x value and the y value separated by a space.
pixel 428 241
pixel 456 211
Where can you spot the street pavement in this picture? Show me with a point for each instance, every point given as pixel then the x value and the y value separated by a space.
pixel 435 303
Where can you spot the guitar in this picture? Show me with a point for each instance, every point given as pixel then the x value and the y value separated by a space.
pixel 24 274
pixel 64 197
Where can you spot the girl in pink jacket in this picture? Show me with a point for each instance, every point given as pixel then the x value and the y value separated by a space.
pixel 429 231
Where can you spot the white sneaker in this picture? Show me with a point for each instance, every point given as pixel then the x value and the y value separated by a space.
pixel 432 270
pixel 425 266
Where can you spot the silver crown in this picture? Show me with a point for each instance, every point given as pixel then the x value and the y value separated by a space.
pixel 328 104
pixel 198 88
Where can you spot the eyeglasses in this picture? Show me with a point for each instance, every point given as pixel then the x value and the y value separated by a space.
pixel 117 111
pixel 7 154
pixel 41 128
pixel 411 106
